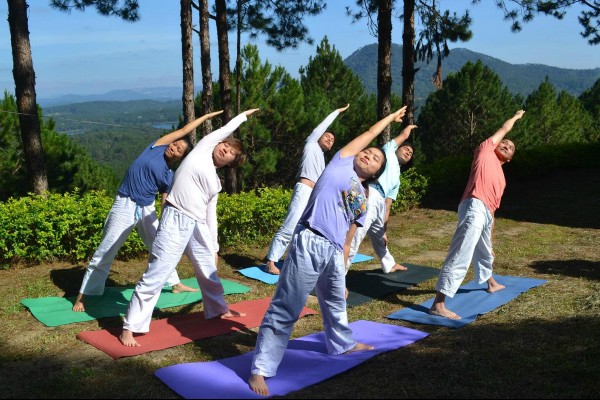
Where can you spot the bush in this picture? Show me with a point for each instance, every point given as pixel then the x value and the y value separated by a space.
pixel 50 227
pixel 69 226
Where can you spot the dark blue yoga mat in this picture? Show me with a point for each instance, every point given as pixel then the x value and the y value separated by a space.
pixel 470 301
pixel 305 363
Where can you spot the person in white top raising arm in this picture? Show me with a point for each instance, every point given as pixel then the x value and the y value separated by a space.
pixel 189 225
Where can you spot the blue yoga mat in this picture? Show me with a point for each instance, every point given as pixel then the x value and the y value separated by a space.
pixel 260 274
pixel 470 301
pixel 305 363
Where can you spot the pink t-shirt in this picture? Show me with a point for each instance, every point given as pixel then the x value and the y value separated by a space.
pixel 486 181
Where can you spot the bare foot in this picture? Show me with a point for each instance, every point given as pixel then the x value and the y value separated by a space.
pixel 78 306
pixel 231 314
pixel 127 339
pixel 440 310
pixel 271 268
pixel 398 267
pixel 360 347
pixel 494 286
pixel 180 287
pixel 258 385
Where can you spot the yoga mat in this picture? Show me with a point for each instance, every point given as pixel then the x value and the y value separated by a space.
pixel 55 311
pixel 469 301
pixel 305 363
pixel 365 286
pixel 181 329
pixel 260 274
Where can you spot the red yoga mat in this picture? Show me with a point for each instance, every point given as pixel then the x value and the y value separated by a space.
pixel 181 329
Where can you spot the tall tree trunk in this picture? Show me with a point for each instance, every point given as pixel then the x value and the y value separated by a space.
pixel 231 185
pixel 187 55
pixel 207 91
pixel 238 79
pixel 24 76
pixel 408 62
pixel 384 64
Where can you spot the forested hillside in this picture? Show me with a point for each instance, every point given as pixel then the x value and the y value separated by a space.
pixel 519 79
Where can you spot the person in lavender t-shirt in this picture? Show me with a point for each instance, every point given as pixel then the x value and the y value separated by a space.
pixel 472 240
pixel 318 251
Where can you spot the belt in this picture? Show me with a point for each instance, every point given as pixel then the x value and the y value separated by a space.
pixel 316 232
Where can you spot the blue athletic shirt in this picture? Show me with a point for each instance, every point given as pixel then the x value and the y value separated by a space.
pixel 148 175
pixel 337 200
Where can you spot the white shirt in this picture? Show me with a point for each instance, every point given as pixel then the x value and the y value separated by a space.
pixel 313 161
pixel 196 185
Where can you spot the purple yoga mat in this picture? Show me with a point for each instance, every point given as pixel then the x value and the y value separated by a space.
pixel 305 363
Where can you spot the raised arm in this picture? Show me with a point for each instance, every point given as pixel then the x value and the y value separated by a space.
pixel 179 133
pixel 363 140
pixel 322 127
pixel 506 127
pixel 404 135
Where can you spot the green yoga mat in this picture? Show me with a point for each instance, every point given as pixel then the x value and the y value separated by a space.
pixel 55 311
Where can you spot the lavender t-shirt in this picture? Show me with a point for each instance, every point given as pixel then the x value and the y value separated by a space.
pixel 337 200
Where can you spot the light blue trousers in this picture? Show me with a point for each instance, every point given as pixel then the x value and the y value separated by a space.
pixel 177 233
pixel 123 216
pixel 471 243
pixel 312 260
pixel 374 226
pixel 282 238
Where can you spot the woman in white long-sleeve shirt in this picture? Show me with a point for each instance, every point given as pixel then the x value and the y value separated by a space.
pixel 189 224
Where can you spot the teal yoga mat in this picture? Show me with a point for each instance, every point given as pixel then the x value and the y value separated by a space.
pixel 470 301
pixel 55 311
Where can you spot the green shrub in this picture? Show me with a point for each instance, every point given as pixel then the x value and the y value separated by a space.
pixel 251 216
pixel 69 226
pixel 413 187
pixel 66 226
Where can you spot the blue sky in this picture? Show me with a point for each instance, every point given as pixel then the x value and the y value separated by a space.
pixel 86 53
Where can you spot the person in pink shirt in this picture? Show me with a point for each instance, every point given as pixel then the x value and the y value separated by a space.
pixel 472 240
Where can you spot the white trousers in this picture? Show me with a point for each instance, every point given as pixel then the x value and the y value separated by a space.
pixel 471 243
pixel 177 234
pixel 374 226
pixel 312 260
pixel 123 216
pixel 282 238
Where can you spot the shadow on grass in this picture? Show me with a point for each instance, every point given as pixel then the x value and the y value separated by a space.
pixel 532 358
pixel 574 268
pixel 240 261
pixel 566 198
pixel 69 280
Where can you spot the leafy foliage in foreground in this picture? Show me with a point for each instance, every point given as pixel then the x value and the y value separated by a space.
pixel 69 226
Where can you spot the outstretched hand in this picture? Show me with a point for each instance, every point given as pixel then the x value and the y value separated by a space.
pixel 212 114
pixel 519 114
pixel 251 111
pixel 399 114
pixel 341 110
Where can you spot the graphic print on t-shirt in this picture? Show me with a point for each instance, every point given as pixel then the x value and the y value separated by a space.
pixel 354 201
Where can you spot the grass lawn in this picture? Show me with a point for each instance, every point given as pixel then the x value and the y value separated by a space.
pixel 543 344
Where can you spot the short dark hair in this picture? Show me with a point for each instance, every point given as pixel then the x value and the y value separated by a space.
pixel 409 144
pixel 190 146
pixel 329 131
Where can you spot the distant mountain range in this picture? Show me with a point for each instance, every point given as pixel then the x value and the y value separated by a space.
pixel 519 78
